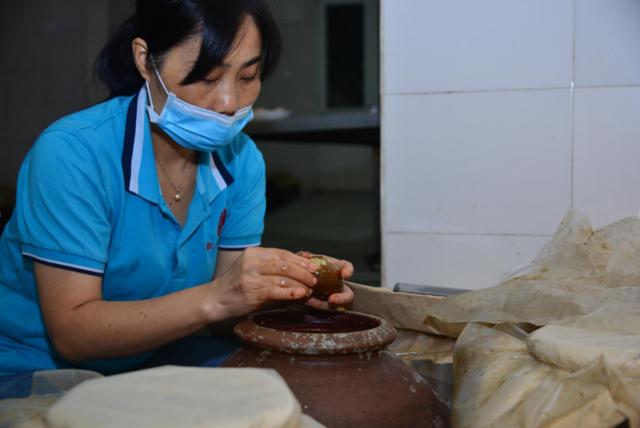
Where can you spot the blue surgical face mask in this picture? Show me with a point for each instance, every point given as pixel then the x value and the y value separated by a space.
pixel 194 127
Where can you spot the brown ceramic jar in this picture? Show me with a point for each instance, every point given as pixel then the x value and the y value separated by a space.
pixel 336 365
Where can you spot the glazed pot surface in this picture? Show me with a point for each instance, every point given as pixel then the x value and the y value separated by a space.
pixel 335 364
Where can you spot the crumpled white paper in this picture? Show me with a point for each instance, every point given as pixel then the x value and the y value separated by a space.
pixel 583 279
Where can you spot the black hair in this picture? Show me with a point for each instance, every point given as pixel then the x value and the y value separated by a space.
pixel 164 24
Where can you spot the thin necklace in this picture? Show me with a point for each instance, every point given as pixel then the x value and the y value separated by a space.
pixel 185 170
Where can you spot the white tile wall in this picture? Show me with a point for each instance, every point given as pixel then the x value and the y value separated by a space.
pixel 435 45
pixel 457 261
pixel 496 162
pixel 607 153
pixel 607 42
pixel 477 176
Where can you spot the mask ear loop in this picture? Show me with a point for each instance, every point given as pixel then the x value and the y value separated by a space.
pixel 153 62
pixel 146 82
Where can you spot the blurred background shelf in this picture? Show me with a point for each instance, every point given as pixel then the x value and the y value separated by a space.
pixel 340 224
pixel 343 127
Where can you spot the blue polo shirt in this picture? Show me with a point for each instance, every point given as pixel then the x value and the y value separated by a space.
pixel 89 200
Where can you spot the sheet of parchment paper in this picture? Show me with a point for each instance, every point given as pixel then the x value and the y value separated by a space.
pixel 580 278
pixel 507 375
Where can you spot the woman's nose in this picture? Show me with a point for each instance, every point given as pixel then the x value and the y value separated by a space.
pixel 226 101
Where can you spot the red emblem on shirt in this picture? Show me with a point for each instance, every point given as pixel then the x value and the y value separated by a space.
pixel 209 246
pixel 223 218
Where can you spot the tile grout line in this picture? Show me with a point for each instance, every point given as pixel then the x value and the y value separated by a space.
pixel 519 235
pixel 478 91
pixel 573 108
pixel 482 91
pixel 382 149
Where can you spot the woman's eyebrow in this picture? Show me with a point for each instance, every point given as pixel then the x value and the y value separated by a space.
pixel 246 64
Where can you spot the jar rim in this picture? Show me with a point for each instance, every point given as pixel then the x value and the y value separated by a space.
pixel 333 332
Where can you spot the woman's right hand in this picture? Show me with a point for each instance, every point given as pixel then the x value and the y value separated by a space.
pixel 261 275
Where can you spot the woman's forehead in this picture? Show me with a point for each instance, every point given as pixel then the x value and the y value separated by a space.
pixel 246 45
pixel 244 49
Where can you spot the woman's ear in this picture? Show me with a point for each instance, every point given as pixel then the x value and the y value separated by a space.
pixel 140 52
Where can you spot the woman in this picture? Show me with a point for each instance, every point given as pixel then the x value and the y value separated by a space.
pixel 138 220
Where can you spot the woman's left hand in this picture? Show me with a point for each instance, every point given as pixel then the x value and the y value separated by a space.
pixel 343 298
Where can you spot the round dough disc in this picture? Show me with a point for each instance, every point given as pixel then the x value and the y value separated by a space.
pixel 185 397
pixel 575 348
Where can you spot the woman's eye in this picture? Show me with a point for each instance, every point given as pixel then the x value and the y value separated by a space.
pixel 249 78
pixel 210 81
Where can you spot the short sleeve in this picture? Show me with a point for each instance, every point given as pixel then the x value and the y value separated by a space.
pixel 244 222
pixel 62 214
